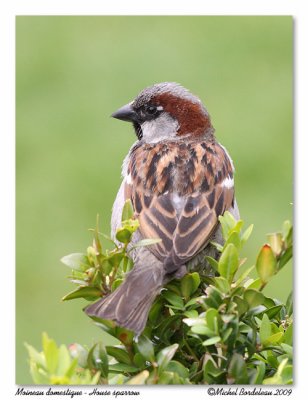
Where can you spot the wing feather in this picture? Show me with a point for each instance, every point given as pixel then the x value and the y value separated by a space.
pixel 183 217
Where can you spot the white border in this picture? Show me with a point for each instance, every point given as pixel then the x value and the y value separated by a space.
pixel 157 7
pixel 8 11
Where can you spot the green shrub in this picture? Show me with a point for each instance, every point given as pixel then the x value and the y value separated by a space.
pixel 201 330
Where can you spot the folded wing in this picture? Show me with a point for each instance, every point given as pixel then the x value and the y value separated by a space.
pixel 183 217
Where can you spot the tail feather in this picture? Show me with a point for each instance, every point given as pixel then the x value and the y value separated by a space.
pixel 129 305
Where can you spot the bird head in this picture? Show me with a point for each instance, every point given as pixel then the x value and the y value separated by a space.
pixel 166 111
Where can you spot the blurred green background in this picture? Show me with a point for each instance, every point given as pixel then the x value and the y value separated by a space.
pixel 72 73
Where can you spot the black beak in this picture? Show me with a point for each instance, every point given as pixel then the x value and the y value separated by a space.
pixel 126 113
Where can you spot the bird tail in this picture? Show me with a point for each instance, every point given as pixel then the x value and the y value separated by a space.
pixel 130 303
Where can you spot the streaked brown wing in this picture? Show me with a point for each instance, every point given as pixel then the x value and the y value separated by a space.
pixel 184 225
pixel 196 224
pixel 178 191
pixel 158 219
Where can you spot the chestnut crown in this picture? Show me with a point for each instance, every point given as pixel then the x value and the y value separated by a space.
pixel 166 111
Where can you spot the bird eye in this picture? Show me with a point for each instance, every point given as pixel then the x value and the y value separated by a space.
pixel 151 110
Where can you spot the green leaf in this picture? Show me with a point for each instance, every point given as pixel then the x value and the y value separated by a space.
pixel 243 276
pixel 64 361
pixel 288 238
pixel 242 305
pixel 174 287
pixel 273 311
pixel 213 263
pixel 194 301
pixel 288 335
pixel 86 292
pixel 114 259
pixel 71 371
pixel 194 321
pixel 275 338
pixel 288 350
pixel 226 334
pixel 105 324
pixel 35 356
pixel 51 353
pixel 102 361
pixel 96 242
pixel 265 329
pixel 245 236
pixel 202 330
pixel 275 241
pixel 132 225
pixel 244 328
pixel 191 314
pixel 214 297
pixel 167 327
pixel 210 369
pixel 258 378
pixel 97 359
pixel 211 341
pixel 222 284
pixel 217 246
pixel 38 375
pixel 117 379
pixel 227 220
pixel 253 297
pixel 237 225
pixel 165 356
pixel 269 302
pixel 139 361
pixel 211 317
pixel 286 228
pixel 228 262
pixel 285 257
pixel 77 261
pixel 224 226
pixel 189 284
pixel 177 367
pixel 92 256
pixel 234 238
pixel 287 375
pixel 277 378
pixel 125 336
pixel 255 284
pixel 237 369
pixel 115 284
pixel 196 281
pixel 128 264
pixel 274 380
pixel 166 378
pixel 173 299
pixel 266 264
pixel 155 312
pixel 128 211
pixel 123 235
pixel 281 366
pixel 92 381
pixel 120 367
pixel 106 266
pixel 146 348
pixel 289 304
pixel 139 379
pixel 119 354
pixel 276 328
pixel 91 358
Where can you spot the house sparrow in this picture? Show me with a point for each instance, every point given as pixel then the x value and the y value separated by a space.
pixel 180 180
